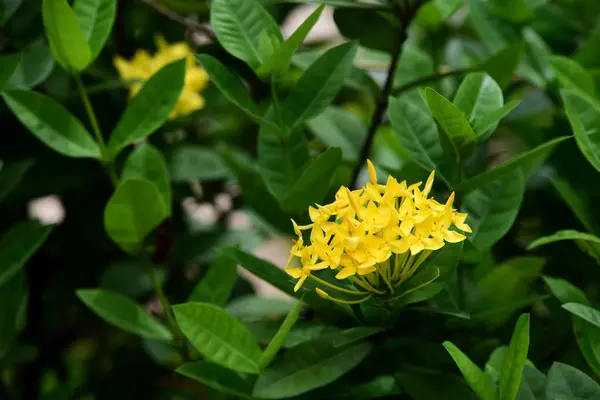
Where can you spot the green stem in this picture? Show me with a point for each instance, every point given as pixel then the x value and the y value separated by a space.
pixel 335 287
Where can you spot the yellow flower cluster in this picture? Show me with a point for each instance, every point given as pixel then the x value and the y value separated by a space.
pixel 142 66
pixel 376 236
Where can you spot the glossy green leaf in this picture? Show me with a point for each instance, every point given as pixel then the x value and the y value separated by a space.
pixel 567 234
pixel 67 40
pixel 311 187
pixel 571 75
pixel 238 25
pixel 214 376
pixel 585 312
pixel 135 209
pixel 254 307
pixel 35 66
pixel 8 65
pixel 475 377
pixel 123 313
pixel 477 96
pixel 280 60
pixel 565 291
pixel 502 65
pixel 18 244
pixel 216 285
pixel 566 382
pixel 578 204
pixel 486 125
pixel 11 175
pixel 336 127
pixel 526 162
pixel 96 18
pixel 190 162
pixel 218 336
pixel 147 163
pixel 584 116
pixel 371 28
pixel 492 209
pixel 280 337
pixel 458 133
pixel 228 84
pixel 150 107
pixel 52 123
pixel 516 357
pixel 318 86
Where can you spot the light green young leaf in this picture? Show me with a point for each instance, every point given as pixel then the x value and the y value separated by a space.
pixel 587 313
pixel 219 378
pixel 150 108
pixel 238 25
pixel 52 124
pixel 512 370
pixel 220 337
pixel 67 41
pixel 568 234
pixel 147 163
pixel 216 286
pixel 486 125
pixel 280 60
pixel 481 384
pixel 477 96
pixel 572 75
pixel 135 209
pixel 35 66
pixel 336 127
pixel 459 138
pixel 280 337
pixel 566 382
pixel 123 313
pixel 584 116
pixel 11 175
pixel 8 65
pixel 565 291
pixel 96 18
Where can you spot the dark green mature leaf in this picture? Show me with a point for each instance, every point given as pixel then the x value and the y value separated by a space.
pixel 238 25
pixel 228 84
pixel 96 18
pixel 190 163
pixel 18 244
pixel 578 204
pixel 414 64
pixel 566 382
pixel 312 186
pixel 565 291
pixel 492 209
pixel 588 339
pixel 475 377
pixel 281 336
pixel 502 65
pixel 516 357
pixel 216 286
pixel 458 134
pixel 146 162
pixel 123 313
pixel 526 162
pixel 567 234
pixel 373 29
pixel 587 313
pixel 8 65
pixel 486 125
pixel 336 127
pixel 572 75
pixel 67 41
pixel 52 124
pixel 280 60
pixel 513 10
pixel 318 86
pixel 584 116
pixel 13 297
pixel 222 379
pixel 427 385
pixel 150 107
pixel 35 66
pixel 11 175
pixel 7 9
pixel 135 209
pixel 220 337
pixel 477 96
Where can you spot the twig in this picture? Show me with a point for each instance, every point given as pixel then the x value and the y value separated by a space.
pixel 188 23
pixel 433 78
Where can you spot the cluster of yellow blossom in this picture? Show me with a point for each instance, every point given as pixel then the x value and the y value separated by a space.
pixel 376 236
pixel 142 66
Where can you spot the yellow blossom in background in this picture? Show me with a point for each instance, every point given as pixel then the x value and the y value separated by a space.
pixel 377 236
pixel 142 66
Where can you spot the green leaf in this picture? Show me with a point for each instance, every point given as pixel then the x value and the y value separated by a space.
pixel 147 163
pixel 150 108
pixel 312 186
pixel 318 86
pixel 51 123
pixel 588 339
pixel 280 337
pixel 414 64
pixel 585 312
pixel 502 65
pixel 477 96
pixel 214 376
pixel 371 28
pixel 216 286
pixel 336 127
pixel 228 84
pixel 220 337
pixel 238 25
pixel 8 65
pixel 13 297
pixel 459 135
pixel 67 41
pixel 10 176
pixel 568 234
pixel 513 10
pixel 526 162
pixel 584 116
pixel 418 134
pixel 486 125
pixel 190 162
pixel 35 66
pixel 578 204
pixel 512 369
pixel 280 60
pixel 254 307
pixel 565 291
pixel 566 382
pixel 123 313
pixel 425 384
pixel 8 9
pixel 492 209
pixel 571 75
pixel 135 209
pixel 475 377
pixel 18 244
pixel 308 366
pixel 96 19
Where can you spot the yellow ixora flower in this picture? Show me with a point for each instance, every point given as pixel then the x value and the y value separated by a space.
pixel 143 65
pixel 377 237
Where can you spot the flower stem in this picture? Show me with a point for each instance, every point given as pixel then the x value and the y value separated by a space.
pixel 335 287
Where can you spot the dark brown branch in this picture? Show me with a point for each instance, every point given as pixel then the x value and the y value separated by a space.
pixel 188 23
